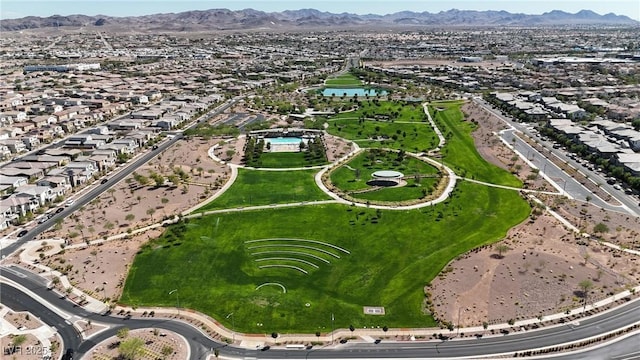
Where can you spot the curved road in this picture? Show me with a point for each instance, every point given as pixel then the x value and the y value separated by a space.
pixel 201 345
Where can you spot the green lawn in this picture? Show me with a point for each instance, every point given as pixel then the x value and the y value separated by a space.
pixel 370 161
pixel 460 152
pixel 256 187
pixel 385 124
pixel 389 255
pixel 354 175
pixel 392 255
pixel 288 160
pixel 394 110
pixel 343 80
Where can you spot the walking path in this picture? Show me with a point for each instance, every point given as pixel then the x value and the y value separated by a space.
pixel 425 106
pixel 30 256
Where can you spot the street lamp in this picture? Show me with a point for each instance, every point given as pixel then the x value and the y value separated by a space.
pixel 332 319
pixel 459 309
pixel 177 299
pixel 233 326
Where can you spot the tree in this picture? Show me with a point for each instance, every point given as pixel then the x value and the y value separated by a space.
pixel 600 228
pixel 95 254
pixel 501 249
pixel 131 349
pixel 585 286
pixel 129 217
pixel 150 212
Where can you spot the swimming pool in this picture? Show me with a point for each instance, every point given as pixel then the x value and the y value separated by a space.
pixel 284 140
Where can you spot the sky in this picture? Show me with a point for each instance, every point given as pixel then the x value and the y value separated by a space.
pixel 12 9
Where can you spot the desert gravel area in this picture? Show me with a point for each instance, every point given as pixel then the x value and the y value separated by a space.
pixel 99 266
pixel 540 272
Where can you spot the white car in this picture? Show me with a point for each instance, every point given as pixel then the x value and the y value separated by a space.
pixel 70 202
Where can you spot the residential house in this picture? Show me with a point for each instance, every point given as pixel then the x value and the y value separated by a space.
pixel 43 120
pixel 15 146
pixel 118 148
pixel 132 144
pixel 630 161
pixel 12 116
pixel 19 205
pixel 43 194
pixel 24 126
pixel 104 162
pixel 31 173
pixel 58 184
pixel 166 122
pixel 128 124
pixel 13 181
pixel 31 142
pixel 59 160
pixel 70 153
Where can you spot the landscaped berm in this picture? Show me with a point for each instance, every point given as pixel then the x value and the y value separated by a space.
pixel 289 269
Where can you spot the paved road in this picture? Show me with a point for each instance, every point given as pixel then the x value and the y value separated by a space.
pixel 91 193
pixel 630 204
pixel 201 345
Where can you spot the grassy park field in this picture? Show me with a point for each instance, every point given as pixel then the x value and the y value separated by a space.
pixel 343 80
pixel 391 256
pixel 256 187
pixel 385 124
pixel 290 269
pixel 353 177
pixel 460 152
pixel 288 160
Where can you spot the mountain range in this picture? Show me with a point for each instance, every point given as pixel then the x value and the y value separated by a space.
pixel 224 19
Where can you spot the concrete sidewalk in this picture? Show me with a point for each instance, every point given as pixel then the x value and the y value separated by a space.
pixel 252 341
